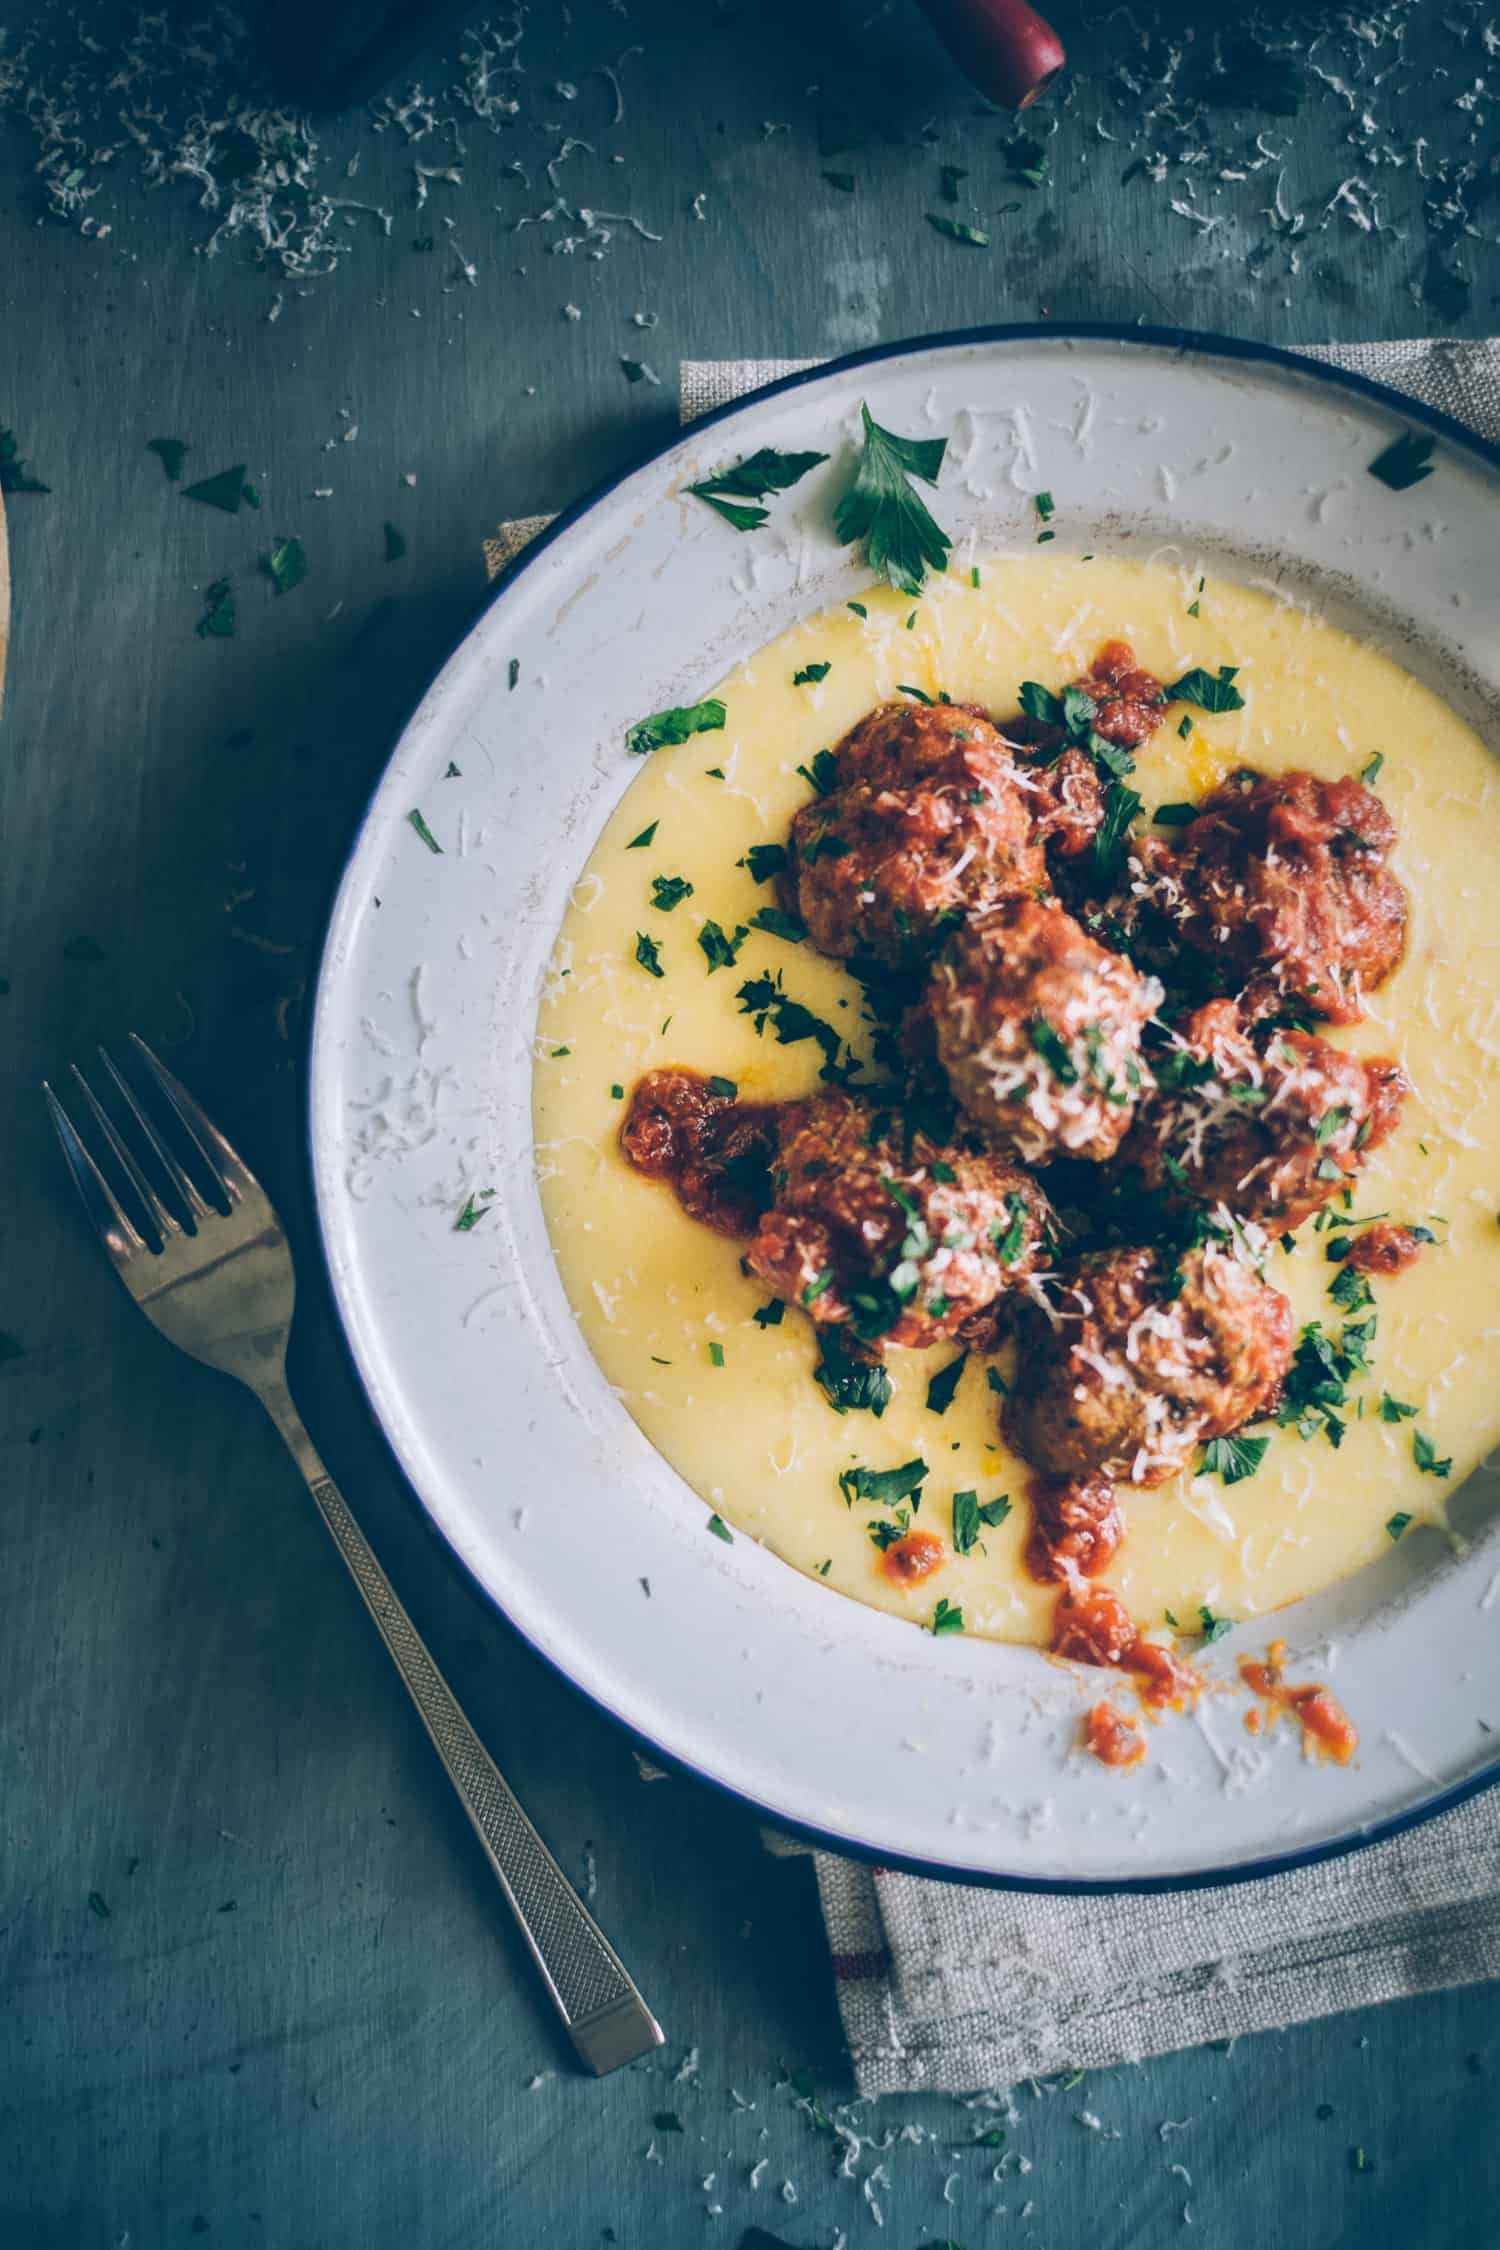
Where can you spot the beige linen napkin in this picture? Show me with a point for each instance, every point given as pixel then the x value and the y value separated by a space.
pixel 950 1988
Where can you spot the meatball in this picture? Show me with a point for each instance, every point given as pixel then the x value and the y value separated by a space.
pixel 1039 1030
pixel 926 823
pixel 1282 878
pixel 1271 1126
pixel 905 1241
pixel 1137 1363
pixel 713 1150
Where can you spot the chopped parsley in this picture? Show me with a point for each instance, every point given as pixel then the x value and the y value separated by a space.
pixel 475 1208
pixel 617 1092
pixel 763 861
pixel 1396 1409
pixel 720 1530
pixel 918 695
pixel 959 230
pixel 1053 1051
pixel 1424 1453
pixel 1405 462
pixel 1396 1524
pixel 648 953
pixel 902 541
pixel 664 729
pixel 1369 773
pixel 725 1088
pixel 826 846
pixel 228 491
pixel 1175 816
pixel 765 1000
pixel 1209 691
pixel 942 1385
pixel 1329 1123
pixel 811 673
pixel 422 829
pixel 171 452
pixel 884 1488
pixel 218 621
pixel 776 922
pixel 14 475
pixel 769 1315
pixel 716 1354
pixel 822 776
pixel 719 950
pixel 1318 1379
pixel 286 564
pixel 1112 837
pixel 1010 1240
pixel 996 1381
pixel 1233 1458
pixel 849 1381
pixel 947 1617
pixel 970 1517
pixel 1214 1628
pixel 1045 506
pixel 1349 1289
pixel 646 836
pixel 668 891
pixel 765 471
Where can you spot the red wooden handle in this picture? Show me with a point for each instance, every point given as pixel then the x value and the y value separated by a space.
pixel 1008 50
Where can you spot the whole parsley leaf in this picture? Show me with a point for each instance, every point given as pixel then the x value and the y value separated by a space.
pixel 664 729
pixel 970 1517
pixel 884 1487
pixel 948 1617
pixel 762 861
pixel 901 539
pixel 763 472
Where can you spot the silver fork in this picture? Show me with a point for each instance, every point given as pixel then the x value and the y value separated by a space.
pixel 218 1282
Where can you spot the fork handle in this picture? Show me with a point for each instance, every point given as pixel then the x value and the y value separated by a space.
pixel 606 2018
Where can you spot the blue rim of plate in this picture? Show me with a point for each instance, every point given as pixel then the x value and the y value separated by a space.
pixel 1187 341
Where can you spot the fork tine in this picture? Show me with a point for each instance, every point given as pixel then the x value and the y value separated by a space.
pixel 164 1157
pixel 161 1218
pixel 225 1164
pixel 115 1230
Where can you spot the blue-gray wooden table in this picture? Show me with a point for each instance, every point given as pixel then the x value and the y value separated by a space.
pixel 255 1983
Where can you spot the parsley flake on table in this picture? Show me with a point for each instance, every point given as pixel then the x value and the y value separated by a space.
pixel 286 564
pixel 668 891
pixel 850 1382
pixel 948 1617
pixel 171 452
pixel 422 829
pixel 1232 1458
pixel 884 1488
pixel 811 673
pixel 959 230
pixel 750 480
pixel 1045 505
pixel 1424 1453
pixel 475 1208
pixel 648 953
pixel 1210 691
pixel 218 622
pixel 228 491
pixel 942 1386
pixel 14 474
pixel 971 1516
pixel 1405 462
pixel 664 729
pixel 901 539
pixel 719 950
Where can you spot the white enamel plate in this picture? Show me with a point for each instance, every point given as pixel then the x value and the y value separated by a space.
pixel 955 1756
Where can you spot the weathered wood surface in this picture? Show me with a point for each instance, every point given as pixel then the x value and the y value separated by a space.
pixel 294 2012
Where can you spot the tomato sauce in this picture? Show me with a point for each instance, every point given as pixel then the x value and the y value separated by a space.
pixel 1114 1739
pixel 1093 1626
pixel 913 1558
pixel 713 1150
pixel 1076 1527
pixel 1384 1249
pixel 1327 1730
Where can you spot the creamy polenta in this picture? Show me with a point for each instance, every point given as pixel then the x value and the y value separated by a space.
pixel 664 1303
